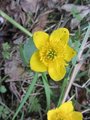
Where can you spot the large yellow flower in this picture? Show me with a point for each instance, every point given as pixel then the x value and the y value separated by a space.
pixel 64 112
pixel 53 53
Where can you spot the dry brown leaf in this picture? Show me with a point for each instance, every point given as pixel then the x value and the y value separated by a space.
pixel 13 67
pixel 82 12
pixel 75 22
pixel 30 5
pixel 34 5
pixel 52 3
pixel 16 12
pixel 3 4
pixel 80 8
pixel 42 21
pixel 19 40
pixel 82 95
pixel 14 90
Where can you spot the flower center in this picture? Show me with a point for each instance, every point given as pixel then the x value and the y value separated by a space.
pixel 47 54
pixel 51 53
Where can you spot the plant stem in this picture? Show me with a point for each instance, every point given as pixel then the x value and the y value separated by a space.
pixel 17 25
pixel 62 92
pixel 47 90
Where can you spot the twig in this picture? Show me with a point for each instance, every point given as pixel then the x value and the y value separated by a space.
pixel 71 97
pixel 76 85
pixel 83 43
pixel 86 83
pixel 6 107
pixel 87 110
pixel 77 66
pixel 75 71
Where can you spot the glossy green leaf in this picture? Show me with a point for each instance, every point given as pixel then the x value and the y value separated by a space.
pixel 27 50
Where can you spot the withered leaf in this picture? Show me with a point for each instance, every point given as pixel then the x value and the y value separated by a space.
pixel 80 10
pixel 30 5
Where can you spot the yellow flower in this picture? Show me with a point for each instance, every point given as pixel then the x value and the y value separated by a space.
pixel 53 53
pixel 64 112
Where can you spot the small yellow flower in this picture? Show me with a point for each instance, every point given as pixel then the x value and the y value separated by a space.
pixel 53 53
pixel 64 112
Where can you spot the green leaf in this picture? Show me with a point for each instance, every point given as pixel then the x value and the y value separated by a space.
pixel 27 50
pixel 64 84
pixel 76 13
pixel 47 89
pixel 34 104
pixel 5 46
pixel 3 89
pixel 76 47
pixel 1 109
pixel 6 54
pixel 4 112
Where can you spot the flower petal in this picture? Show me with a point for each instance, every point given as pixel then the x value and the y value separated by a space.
pixel 56 71
pixel 61 34
pixel 69 53
pixel 40 38
pixel 36 64
pixel 75 116
pixel 66 107
pixel 52 114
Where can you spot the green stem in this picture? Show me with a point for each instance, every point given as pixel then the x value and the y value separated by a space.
pixel 30 88
pixel 64 85
pixel 47 90
pixel 15 23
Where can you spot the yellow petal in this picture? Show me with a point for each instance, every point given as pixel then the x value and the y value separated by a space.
pixel 56 71
pixel 61 34
pixel 40 38
pixel 75 116
pixel 66 107
pixel 52 114
pixel 69 53
pixel 36 64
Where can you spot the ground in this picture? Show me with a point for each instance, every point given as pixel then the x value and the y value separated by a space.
pixel 15 73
